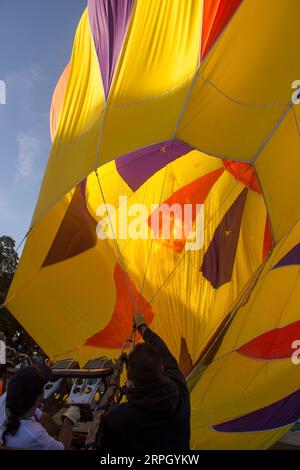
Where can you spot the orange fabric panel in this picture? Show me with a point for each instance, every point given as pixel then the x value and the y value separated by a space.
pixel 57 100
pixel 120 326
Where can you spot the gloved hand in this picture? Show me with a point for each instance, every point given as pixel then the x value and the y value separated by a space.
pixel 138 320
pixel 73 414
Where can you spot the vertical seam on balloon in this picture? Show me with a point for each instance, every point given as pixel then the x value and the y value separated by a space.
pixel 122 50
pixel 215 15
pixel 271 134
pixel 152 239
pixel 201 35
pixel 266 205
pixel 119 252
pixel 103 111
pixel 102 120
pixel 260 150
pixel 96 55
pixel 106 98
pixel 185 104
pixel 253 161
pixel 222 32
pixel 116 73
pixel 194 77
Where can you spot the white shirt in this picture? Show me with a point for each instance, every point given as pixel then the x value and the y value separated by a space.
pixel 31 435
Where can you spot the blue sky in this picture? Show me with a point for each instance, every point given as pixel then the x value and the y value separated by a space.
pixel 36 38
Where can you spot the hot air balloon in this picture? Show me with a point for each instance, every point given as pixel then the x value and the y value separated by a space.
pixel 178 102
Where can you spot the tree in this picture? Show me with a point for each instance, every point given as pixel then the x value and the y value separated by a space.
pixel 9 260
pixel 8 264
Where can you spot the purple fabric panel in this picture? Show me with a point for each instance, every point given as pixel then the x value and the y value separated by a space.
pixel 109 20
pixel 218 261
pixel 291 258
pixel 277 415
pixel 77 231
pixel 136 167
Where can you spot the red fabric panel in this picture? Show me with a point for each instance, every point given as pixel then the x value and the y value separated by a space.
pixel 243 173
pixel 216 15
pixel 193 193
pixel 275 344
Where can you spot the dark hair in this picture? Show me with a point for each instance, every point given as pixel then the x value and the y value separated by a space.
pixel 23 390
pixel 14 409
pixel 144 364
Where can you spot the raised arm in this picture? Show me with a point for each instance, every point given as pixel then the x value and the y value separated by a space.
pixel 171 368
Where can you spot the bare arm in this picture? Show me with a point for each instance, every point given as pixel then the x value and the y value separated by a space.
pixel 70 418
pixel 65 435
pixel 49 424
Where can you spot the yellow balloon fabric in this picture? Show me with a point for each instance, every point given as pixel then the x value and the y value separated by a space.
pixel 251 378
pixel 240 106
pixel 78 128
pixel 187 102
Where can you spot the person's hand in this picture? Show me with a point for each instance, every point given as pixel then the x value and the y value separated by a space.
pixel 138 320
pixel 73 414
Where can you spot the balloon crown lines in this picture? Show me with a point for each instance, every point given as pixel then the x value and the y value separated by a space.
pixel 2 92
pixel 179 225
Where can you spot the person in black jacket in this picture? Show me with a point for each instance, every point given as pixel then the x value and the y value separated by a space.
pixel 156 416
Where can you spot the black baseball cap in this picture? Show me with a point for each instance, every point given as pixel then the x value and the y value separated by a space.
pixel 26 385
